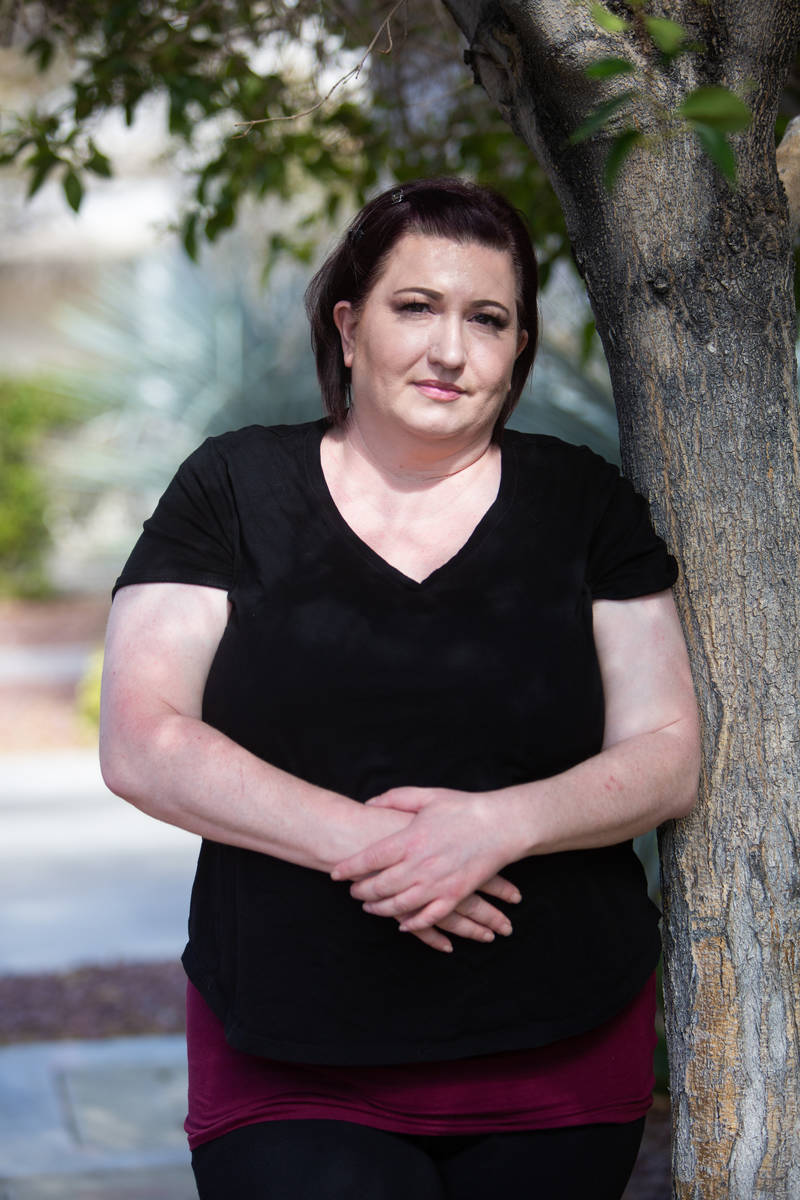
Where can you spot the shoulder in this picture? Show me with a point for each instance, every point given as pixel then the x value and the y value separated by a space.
pixel 227 460
pixel 257 441
pixel 564 466
pixel 555 450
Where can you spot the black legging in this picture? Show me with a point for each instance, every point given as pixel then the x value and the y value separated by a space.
pixel 337 1160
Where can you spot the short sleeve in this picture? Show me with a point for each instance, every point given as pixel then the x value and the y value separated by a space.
pixel 627 558
pixel 191 536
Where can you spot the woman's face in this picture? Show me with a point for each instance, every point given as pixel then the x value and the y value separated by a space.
pixel 432 348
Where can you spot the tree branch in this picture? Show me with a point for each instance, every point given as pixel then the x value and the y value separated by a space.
pixel 353 73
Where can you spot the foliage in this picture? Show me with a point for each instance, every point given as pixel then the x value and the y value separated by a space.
pixel 327 101
pixel 236 74
pixel 28 411
pixel 179 351
pixel 227 66
pixel 710 112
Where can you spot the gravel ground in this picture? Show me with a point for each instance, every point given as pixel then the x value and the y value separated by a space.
pixel 93 1002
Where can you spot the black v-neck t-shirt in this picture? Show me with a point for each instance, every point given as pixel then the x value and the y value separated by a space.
pixel 338 668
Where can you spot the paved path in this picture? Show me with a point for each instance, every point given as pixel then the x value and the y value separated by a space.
pixel 84 877
pixel 80 1120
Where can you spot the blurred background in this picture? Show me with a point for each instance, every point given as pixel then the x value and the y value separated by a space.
pixel 152 267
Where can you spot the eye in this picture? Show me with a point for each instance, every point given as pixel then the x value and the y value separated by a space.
pixel 492 320
pixel 414 306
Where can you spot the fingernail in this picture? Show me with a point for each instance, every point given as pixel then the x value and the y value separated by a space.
pixel 506 930
pixel 515 899
pixel 487 935
pixel 335 876
pixel 367 908
pixel 403 928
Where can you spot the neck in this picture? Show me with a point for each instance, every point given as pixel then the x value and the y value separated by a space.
pixel 410 463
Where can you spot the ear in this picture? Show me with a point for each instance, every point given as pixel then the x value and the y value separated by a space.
pixel 522 342
pixel 345 320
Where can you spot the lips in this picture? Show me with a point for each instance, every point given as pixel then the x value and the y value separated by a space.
pixel 436 389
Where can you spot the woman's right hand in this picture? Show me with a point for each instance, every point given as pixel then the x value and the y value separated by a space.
pixel 474 918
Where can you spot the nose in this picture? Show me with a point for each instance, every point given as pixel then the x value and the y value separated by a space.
pixel 447 347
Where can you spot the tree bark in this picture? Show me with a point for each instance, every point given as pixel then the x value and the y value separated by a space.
pixel 691 284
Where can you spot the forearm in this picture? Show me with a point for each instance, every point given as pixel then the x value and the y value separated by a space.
pixel 458 839
pixel 646 773
pixel 620 793
pixel 182 771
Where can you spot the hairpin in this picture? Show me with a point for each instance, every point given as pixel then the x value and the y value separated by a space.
pixel 398 197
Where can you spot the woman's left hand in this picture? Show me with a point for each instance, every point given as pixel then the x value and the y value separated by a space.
pixel 454 847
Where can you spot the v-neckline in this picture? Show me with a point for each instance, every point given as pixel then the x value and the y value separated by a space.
pixel 347 534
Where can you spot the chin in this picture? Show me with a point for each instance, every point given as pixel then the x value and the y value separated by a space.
pixel 446 422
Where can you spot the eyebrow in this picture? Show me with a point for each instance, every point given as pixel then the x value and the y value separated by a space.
pixel 434 295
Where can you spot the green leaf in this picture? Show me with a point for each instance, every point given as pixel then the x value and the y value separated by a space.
pixel 222 218
pixel 607 20
pixel 605 68
pixel 42 163
pixel 43 50
pixel 98 163
pixel 73 190
pixel 716 146
pixel 716 107
pixel 621 147
pixel 189 236
pixel 668 35
pixel 84 102
pixel 598 118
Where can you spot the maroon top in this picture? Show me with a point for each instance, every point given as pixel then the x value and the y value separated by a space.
pixel 605 1075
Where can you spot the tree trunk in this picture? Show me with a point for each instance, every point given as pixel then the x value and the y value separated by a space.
pixel 691 284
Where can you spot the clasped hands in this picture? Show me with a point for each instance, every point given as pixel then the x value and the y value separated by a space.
pixel 428 876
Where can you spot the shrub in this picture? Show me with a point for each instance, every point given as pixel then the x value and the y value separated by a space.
pixel 28 411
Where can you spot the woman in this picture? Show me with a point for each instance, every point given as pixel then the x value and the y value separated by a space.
pixel 405 675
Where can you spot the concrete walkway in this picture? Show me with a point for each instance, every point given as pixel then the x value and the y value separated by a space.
pixel 86 879
pixel 81 1120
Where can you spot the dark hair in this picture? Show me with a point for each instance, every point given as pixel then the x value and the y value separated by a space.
pixel 448 208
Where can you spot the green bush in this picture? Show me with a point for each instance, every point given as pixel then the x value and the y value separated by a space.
pixel 28 410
